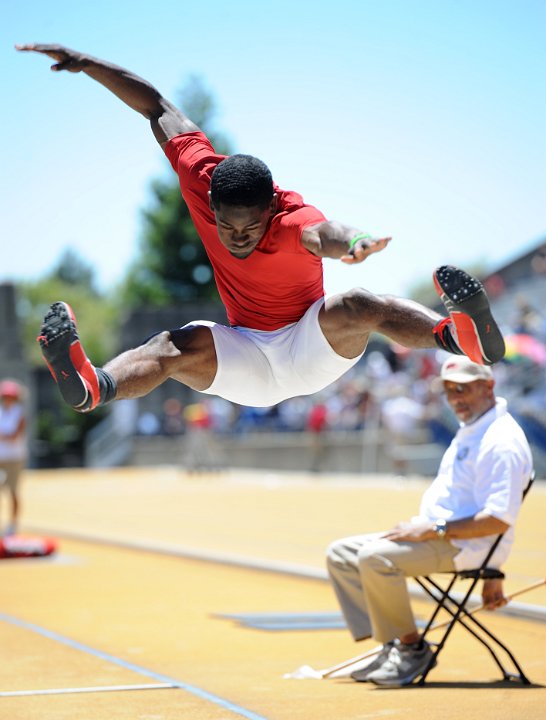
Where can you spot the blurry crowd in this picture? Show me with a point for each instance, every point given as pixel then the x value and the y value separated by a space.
pixel 391 388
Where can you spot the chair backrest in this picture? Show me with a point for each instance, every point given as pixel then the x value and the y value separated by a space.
pixel 459 615
pixel 484 571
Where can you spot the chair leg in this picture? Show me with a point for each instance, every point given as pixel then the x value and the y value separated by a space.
pixel 507 675
pixel 456 611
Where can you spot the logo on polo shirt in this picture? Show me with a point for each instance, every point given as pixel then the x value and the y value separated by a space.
pixel 463 453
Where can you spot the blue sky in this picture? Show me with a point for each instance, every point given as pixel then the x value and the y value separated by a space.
pixel 419 119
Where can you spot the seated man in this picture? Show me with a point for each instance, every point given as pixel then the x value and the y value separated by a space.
pixel 475 497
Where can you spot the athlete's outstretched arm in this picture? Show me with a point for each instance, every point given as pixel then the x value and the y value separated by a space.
pixel 333 239
pixel 165 119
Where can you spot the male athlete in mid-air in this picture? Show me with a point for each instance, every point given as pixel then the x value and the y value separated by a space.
pixel 266 247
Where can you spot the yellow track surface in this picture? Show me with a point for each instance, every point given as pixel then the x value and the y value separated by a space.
pixel 119 624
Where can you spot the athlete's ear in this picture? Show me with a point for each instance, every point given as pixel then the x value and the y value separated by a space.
pixel 274 203
pixel 211 206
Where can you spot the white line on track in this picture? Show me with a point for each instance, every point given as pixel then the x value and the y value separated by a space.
pixel 105 688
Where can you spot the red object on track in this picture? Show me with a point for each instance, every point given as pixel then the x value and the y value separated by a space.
pixel 20 546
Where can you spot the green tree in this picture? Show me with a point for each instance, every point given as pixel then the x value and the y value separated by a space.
pixel 73 281
pixel 74 271
pixel 173 266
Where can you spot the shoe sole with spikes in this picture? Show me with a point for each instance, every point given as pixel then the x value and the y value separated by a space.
pixel 466 301
pixel 66 359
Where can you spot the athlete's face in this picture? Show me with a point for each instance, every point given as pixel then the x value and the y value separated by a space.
pixel 241 228
pixel 470 400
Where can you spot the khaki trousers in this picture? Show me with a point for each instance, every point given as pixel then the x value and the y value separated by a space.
pixel 10 471
pixel 369 574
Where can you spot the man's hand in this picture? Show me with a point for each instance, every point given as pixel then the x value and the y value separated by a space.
pixel 493 594
pixel 332 239
pixel 66 59
pixel 363 248
pixel 410 532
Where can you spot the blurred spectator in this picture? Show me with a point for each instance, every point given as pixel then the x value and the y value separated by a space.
pixel 538 263
pixel 173 417
pixel 200 453
pixel 292 413
pixel 527 319
pixel 317 423
pixel 403 416
pixel 13 445
pixel 148 424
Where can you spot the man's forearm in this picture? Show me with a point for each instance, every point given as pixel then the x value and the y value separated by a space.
pixel 334 240
pixel 480 525
pixel 329 239
pixel 166 120
pixel 133 90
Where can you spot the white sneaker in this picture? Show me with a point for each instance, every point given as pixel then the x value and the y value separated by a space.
pixel 361 675
pixel 404 664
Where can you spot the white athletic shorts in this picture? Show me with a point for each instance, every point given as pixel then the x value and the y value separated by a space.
pixel 259 368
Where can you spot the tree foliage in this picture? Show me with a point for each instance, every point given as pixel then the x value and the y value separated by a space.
pixel 173 266
pixel 72 281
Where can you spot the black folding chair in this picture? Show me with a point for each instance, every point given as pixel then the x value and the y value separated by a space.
pixel 445 599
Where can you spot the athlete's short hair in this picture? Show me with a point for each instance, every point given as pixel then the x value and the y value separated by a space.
pixel 241 180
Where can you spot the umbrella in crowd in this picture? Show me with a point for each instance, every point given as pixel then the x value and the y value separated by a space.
pixel 521 347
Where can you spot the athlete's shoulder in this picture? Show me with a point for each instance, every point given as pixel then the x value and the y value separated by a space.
pixel 190 149
pixel 288 200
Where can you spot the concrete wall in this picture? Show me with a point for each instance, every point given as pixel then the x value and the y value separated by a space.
pixel 369 451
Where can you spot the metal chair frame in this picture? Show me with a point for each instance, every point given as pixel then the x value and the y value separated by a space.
pixel 460 615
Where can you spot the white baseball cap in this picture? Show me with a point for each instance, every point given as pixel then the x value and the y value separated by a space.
pixel 460 369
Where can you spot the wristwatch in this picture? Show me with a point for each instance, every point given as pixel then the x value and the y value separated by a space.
pixel 440 528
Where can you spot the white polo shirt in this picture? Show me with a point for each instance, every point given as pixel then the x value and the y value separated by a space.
pixel 486 468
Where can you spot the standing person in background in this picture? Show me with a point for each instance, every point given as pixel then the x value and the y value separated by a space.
pixel 13 446
pixel 199 451
pixel 316 426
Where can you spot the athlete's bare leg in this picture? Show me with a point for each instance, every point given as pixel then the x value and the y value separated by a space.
pixel 348 319
pixel 186 355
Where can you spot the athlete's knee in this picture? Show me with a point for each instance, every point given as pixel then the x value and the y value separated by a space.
pixel 362 306
pixel 180 349
pixel 193 340
pixel 157 345
pixel 196 364
pixel 359 304
pixel 152 336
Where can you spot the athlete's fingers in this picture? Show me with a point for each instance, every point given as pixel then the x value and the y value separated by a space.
pixel 54 51
pixel 364 249
pixel 68 64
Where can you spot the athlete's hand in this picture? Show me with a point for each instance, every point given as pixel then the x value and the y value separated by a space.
pixel 66 59
pixel 363 248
